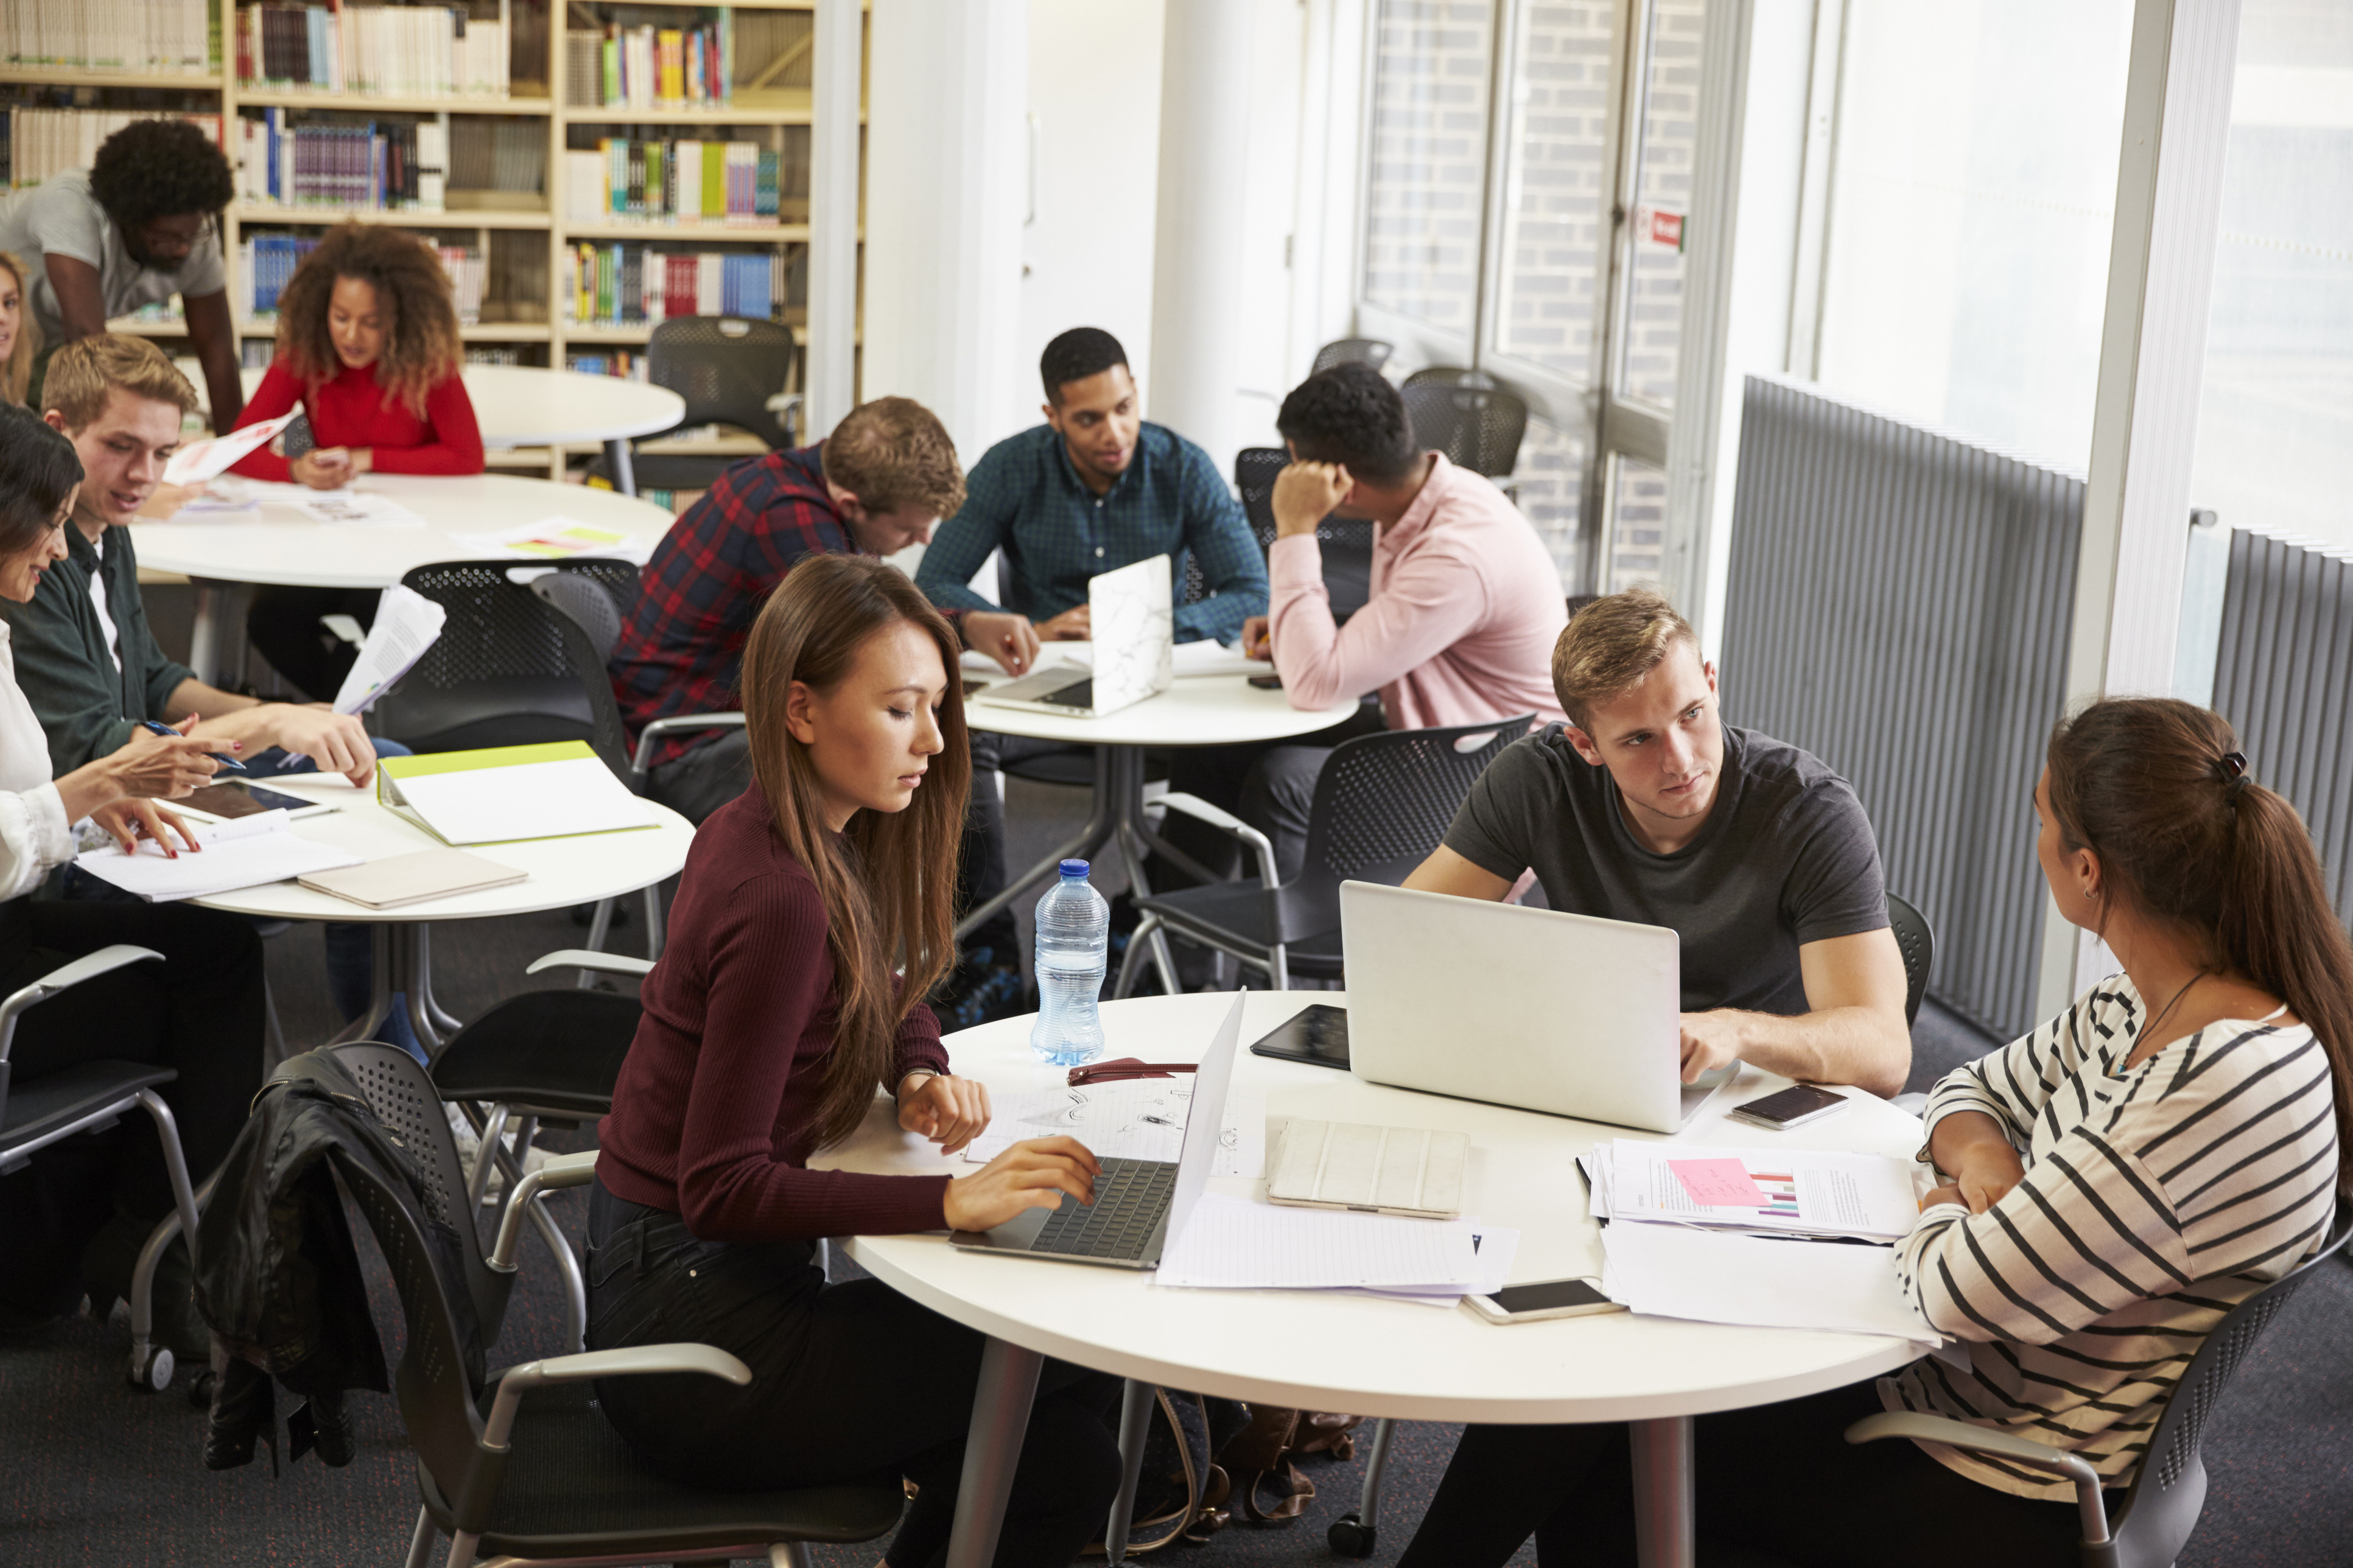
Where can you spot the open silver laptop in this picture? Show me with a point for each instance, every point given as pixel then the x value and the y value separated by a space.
pixel 1139 1203
pixel 1134 630
pixel 1531 1009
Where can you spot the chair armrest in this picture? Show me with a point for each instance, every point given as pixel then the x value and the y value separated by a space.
pixel 673 725
pixel 562 1171
pixel 516 1381
pixel 88 966
pixel 2018 1451
pixel 587 958
pixel 1226 822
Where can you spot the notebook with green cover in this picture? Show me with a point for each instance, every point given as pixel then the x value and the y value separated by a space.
pixel 505 793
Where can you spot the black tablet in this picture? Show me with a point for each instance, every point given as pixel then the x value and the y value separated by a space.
pixel 1317 1035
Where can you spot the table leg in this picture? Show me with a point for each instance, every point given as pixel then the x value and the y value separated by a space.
pixel 1131 839
pixel 625 475
pixel 412 975
pixel 380 990
pixel 1663 1525
pixel 1000 1418
pixel 1135 1402
pixel 1103 822
pixel 441 1016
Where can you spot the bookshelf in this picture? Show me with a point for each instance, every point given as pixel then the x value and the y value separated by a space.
pixel 509 195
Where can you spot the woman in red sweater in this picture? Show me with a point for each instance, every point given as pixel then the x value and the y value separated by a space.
pixel 368 349
pixel 770 1023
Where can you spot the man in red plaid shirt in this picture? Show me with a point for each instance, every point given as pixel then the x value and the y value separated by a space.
pixel 877 485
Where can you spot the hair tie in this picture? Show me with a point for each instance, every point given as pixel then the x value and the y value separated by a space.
pixel 2232 766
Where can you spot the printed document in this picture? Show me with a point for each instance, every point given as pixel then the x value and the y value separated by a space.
pixel 406 623
pixel 356 508
pixel 1714 1277
pixel 1131 1118
pixel 200 460
pixel 1806 1192
pixel 1233 1244
pixel 559 539
pixel 244 853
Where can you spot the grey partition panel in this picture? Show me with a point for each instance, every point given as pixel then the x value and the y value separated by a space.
pixel 1898 604
pixel 2284 677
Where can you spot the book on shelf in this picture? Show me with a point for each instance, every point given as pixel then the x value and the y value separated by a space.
pixel 619 284
pixel 650 67
pixel 673 181
pixel 392 164
pixel 620 363
pixel 151 37
pixel 266 262
pixel 421 51
pixel 45 141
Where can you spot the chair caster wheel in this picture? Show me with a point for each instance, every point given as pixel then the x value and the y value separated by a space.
pixel 152 1372
pixel 1350 1539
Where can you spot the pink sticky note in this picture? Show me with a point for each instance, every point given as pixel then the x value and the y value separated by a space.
pixel 1718 1183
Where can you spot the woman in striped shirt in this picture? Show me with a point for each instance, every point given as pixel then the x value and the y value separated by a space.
pixel 2111 1184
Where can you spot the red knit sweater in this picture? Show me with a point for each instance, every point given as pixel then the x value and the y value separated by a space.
pixel 352 410
pixel 711 1116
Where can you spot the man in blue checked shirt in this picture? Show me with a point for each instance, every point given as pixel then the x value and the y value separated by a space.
pixel 1095 489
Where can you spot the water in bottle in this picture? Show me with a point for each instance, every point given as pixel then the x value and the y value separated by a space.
pixel 1073 941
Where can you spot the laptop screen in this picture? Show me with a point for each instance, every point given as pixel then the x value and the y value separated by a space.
pixel 1205 1120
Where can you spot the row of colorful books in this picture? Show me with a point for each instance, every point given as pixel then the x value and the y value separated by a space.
pixel 420 51
pixel 651 67
pixel 399 163
pixel 629 285
pixel 689 181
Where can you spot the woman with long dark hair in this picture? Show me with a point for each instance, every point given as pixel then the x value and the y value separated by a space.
pixel 2112 1185
pixel 771 1022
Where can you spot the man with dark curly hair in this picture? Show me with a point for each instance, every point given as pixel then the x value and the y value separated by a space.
pixel 140 225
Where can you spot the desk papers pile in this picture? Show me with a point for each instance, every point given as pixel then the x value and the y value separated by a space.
pixel 1231 1244
pixel 244 853
pixel 559 539
pixel 1773 1237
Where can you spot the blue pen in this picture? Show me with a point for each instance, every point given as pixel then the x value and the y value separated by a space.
pixel 227 764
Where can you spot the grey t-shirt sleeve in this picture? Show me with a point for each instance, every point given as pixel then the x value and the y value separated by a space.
pixel 1497 825
pixel 1836 887
pixel 64 221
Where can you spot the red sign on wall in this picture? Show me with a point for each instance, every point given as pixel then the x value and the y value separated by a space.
pixel 1661 227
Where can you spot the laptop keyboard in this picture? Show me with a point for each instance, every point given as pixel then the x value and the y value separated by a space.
pixel 1130 1198
pixel 1077 694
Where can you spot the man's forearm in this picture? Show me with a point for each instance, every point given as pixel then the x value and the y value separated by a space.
pixel 1858 1045
pixel 210 704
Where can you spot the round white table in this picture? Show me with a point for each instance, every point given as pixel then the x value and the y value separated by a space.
pixel 563 872
pixel 277 544
pixel 1323 1350
pixel 1195 710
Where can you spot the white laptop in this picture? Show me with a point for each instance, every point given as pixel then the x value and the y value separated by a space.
pixel 1139 1203
pixel 1532 1008
pixel 1134 629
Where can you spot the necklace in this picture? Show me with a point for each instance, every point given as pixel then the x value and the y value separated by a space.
pixel 2150 1031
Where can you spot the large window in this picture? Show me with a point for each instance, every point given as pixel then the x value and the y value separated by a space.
pixel 1528 171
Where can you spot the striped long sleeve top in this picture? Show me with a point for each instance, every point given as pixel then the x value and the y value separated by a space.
pixel 2155 1198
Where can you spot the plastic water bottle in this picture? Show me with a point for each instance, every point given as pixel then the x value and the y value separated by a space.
pixel 1073 942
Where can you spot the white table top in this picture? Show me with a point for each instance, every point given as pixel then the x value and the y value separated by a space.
pixel 523 405
pixel 282 546
pixel 1195 710
pixel 563 872
pixel 1327 1351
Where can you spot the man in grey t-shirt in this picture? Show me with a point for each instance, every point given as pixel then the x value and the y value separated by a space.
pixel 138 227
pixel 1647 808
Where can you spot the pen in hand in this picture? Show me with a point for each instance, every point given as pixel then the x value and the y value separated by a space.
pixel 227 764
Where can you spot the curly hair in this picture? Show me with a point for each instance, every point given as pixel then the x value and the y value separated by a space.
pixel 1350 414
pixel 421 346
pixel 160 168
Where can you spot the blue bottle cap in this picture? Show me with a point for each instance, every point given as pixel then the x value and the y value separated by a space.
pixel 1077 869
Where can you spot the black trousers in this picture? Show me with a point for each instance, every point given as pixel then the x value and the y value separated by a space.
pixel 1778 1485
pixel 847 1381
pixel 199 1012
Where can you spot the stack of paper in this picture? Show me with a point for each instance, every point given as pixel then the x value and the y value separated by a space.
pixel 1233 1244
pixel 508 793
pixel 559 539
pixel 1774 1282
pixel 241 854
pixel 1800 1192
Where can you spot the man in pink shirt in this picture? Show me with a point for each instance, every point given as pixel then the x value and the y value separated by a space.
pixel 1465 603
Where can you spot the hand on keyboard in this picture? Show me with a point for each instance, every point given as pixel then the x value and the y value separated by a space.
pixel 1029 1175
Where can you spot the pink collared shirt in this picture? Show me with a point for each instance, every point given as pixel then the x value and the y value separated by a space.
pixel 1465 607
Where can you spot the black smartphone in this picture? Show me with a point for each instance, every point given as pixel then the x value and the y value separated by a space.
pixel 1267 682
pixel 1533 1303
pixel 1793 1106
pixel 1317 1035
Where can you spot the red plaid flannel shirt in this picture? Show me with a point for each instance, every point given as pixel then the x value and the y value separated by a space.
pixel 682 650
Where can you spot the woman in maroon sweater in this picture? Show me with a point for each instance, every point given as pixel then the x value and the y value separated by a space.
pixel 368 350
pixel 770 1022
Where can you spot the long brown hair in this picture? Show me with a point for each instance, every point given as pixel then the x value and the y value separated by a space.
pixel 16 373
pixel 2158 789
pixel 888 878
pixel 421 346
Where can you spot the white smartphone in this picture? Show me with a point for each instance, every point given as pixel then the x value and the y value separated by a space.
pixel 1551 1298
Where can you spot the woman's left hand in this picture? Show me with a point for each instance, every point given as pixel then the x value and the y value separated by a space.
pixel 130 820
pixel 950 1112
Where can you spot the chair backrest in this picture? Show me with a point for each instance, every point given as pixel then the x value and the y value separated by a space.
pixel 726 367
pixel 1478 428
pixel 403 1097
pixel 1191 587
pixel 500 674
pixel 1916 940
pixel 1381 805
pixel 1347 543
pixel 1351 351
pixel 590 607
pixel 2161 1508
pixel 1450 375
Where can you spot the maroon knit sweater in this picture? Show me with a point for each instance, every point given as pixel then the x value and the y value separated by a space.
pixel 712 1116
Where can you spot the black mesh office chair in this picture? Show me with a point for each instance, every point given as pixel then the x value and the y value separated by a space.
pixel 729 369
pixel 542 1474
pixel 85 1098
pixel 1917 942
pixel 1344 543
pixel 1382 804
pixel 1351 351
pixel 2161 1507
pixel 1478 427
pixel 500 674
